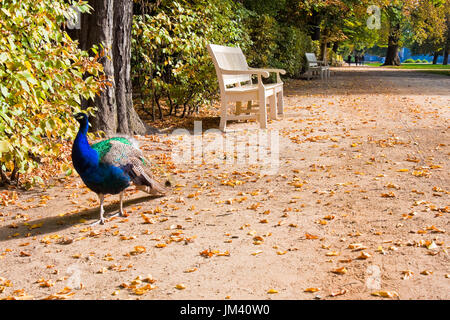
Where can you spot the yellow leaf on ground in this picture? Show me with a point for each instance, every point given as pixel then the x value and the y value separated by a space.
pixel 341 270
pixel 312 290
pixel 385 294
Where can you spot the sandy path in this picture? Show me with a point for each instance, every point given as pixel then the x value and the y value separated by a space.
pixel 363 164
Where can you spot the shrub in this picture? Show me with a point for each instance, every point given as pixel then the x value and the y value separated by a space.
pixel 170 61
pixel 409 61
pixel 292 44
pixel 43 76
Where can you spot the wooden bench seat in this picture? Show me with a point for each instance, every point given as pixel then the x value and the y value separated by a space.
pixel 236 86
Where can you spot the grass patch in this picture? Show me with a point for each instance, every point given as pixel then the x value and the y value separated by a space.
pixel 413 66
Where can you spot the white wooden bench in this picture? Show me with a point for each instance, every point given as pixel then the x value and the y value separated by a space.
pixel 236 86
pixel 316 67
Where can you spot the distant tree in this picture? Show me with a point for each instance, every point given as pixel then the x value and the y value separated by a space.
pixel 428 28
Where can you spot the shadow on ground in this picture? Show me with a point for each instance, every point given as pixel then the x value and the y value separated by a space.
pixel 57 223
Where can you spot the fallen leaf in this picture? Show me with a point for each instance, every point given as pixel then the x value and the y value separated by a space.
pixel 338 293
pixel 312 290
pixel 364 255
pixel 385 294
pixel 341 270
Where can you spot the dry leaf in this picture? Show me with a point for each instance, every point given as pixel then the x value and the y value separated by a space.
pixel 338 293
pixel 341 270
pixel 385 294
pixel 364 255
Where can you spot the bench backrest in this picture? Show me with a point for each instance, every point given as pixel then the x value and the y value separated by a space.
pixel 312 60
pixel 228 58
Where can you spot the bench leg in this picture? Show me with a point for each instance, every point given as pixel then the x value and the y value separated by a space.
pixel 262 109
pixel 280 103
pixel 223 115
pixel 273 106
pixel 238 107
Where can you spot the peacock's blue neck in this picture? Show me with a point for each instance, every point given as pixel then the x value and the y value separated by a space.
pixel 82 153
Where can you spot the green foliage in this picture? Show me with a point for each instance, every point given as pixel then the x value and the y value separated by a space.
pixel 43 76
pixel 410 61
pixel 292 44
pixel 170 60
pixel 263 31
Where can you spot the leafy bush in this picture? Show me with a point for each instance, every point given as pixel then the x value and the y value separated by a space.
pixel 291 45
pixel 409 61
pixel 43 76
pixel 170 61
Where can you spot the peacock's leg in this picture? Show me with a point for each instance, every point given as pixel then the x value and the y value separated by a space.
pixel 102 211
pixel 120 213
pixel 121 205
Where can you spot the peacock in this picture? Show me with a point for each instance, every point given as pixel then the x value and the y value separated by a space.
pixel 110 166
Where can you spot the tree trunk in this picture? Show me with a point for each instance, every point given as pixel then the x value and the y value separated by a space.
pixel 446 48
pixel 128 119
pixel 110 23
pixel 435 57
pixel 392 58
pixel 323 51
pixel 96 28
pixel 335 47
pixel 447 43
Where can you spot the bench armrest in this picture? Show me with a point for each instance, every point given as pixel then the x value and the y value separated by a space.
pixel 277 71
pixel 263 73
pixel 282 71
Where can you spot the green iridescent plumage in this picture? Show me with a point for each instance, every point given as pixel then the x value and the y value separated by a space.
pixel 104 146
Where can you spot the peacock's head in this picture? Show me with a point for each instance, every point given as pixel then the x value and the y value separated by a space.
pixel 81 117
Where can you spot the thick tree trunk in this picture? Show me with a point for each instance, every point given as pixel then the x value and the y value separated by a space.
pixel 435 57
pixel 446 49
pixel 96 28
pixel 110 23
pixel 128 120
pixel 323 51
pixel 447 43
pixel 392 58
pixel 335 47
